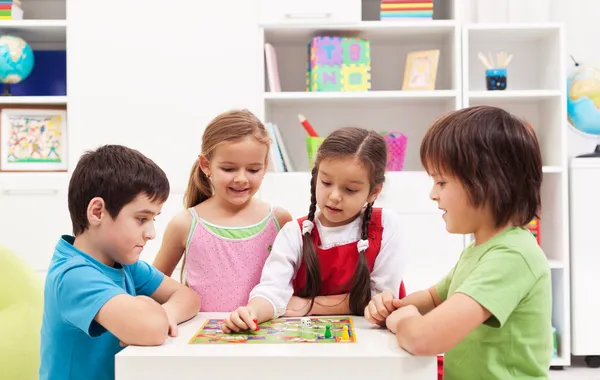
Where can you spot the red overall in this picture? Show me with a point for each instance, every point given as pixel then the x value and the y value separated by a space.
pixel 337 264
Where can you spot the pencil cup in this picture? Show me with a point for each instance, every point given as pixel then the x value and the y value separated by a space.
pixel 495 79
pixel 312 145
pixel 396 146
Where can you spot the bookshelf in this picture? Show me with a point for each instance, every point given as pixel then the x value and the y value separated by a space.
pixel 386 107
pixel 535 92
pixel 44 28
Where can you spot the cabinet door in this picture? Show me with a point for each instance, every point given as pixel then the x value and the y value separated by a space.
pixel 34 214
pixel 585 260
pixel 151 75
pixel 430 250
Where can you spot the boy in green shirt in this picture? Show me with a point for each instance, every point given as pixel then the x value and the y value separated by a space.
pixel 492 314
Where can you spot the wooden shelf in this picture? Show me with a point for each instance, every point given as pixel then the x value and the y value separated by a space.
pixel 433 30
pixel 33 100
pixel 514 95
pixel 38 32
pixel 293 97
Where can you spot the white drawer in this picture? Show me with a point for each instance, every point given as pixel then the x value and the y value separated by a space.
pixel 309 11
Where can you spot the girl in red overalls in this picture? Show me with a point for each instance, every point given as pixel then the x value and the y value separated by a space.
pixel 334 260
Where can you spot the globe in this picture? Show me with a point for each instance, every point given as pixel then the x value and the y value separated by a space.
pixel 583 100
pixel 16 59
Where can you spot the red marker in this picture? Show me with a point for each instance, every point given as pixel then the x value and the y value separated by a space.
pixel 311 131
pixel 256 322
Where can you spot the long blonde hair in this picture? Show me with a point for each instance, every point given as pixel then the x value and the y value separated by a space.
pixel 228 127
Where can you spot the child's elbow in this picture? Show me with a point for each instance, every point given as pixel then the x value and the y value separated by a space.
pixel 418 343
pixel 154 330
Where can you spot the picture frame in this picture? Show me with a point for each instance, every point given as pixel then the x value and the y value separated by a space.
pixel 33 140
pixel 421 70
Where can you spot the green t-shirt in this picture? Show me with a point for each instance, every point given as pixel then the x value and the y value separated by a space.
pixel 509 276
pixel 21 309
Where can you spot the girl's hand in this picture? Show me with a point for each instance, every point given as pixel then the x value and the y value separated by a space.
pixel 380 307
pixel 241 319
pixel 402 313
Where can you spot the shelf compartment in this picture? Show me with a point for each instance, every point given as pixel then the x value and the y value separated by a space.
pixel 389 45
pixel 537 61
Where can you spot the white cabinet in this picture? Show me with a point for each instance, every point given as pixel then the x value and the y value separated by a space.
pixel 154 85
pixel 585 256
pixel 309 11
pixel 33 215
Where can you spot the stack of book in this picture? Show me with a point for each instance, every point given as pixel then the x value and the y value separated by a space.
pixel 11 10
pixel 392 10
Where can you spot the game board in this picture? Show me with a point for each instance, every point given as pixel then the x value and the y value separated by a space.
pixel 281 330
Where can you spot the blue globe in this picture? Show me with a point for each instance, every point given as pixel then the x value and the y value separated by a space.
pixel 16 59
pixel 583 100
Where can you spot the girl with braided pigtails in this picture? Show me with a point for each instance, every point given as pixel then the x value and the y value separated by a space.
pixel 342 253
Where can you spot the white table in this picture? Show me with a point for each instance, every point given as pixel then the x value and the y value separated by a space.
pixel 375 353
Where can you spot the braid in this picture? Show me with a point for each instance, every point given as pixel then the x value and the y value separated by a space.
pixel 360 293
pixel 313 195
pixel 366 220
pixel 312 287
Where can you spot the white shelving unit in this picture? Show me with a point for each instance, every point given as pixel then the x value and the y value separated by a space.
pixel 535 91
pixel 385 108
pixel 44 27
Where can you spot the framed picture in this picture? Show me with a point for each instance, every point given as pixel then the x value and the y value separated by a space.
pixel 33 140
pixel 421 70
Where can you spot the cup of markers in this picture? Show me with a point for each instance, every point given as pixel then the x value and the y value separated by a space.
pixel 313 140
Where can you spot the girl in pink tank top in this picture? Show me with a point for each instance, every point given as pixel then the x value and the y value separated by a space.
pixel 225 234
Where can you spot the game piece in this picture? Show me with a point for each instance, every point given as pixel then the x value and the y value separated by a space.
pixel 256 322
pixel 345 335
pixel 328 332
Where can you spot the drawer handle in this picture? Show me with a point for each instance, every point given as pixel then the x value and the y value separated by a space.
pixel 30 192
pixel 307 15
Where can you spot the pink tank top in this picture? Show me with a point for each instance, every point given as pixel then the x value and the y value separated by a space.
pixel 223 264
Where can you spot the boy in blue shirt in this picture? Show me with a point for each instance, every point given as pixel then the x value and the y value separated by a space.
pixel 98 295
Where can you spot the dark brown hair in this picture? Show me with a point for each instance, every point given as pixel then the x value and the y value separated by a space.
pixel 116 174
pixel 228 127
pixel 496 157
pixel 369 148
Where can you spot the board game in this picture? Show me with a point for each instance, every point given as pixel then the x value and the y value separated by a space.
pixel 282 330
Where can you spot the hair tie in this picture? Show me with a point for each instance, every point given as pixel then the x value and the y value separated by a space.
pixel 307 227
pixel 362 245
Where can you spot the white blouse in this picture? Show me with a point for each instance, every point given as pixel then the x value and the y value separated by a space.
pixel 276 283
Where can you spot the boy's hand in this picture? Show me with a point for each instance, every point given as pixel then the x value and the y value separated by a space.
pixel 380 307
pixel 241 319
pixel 172 318
pixel 402 313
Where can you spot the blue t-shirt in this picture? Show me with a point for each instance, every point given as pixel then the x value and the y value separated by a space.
pixel 73 345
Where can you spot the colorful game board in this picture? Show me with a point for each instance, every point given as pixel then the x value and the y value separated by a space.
pixel 281 330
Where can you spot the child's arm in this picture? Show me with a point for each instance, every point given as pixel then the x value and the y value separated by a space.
pixel 93 303
pixel 179 302
pixel 270 297
pixel 173 243
pixel 139 320
pixel 282 216
pixel 324 305
pixel 488 295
